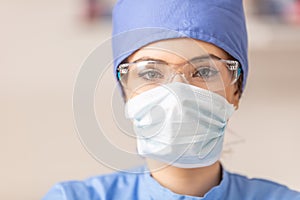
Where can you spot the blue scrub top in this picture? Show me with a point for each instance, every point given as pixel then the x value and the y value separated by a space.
pixel 141 186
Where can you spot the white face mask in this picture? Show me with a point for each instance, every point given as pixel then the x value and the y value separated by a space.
pixel 179 124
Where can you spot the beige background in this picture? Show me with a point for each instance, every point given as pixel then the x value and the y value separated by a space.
pixel 42 46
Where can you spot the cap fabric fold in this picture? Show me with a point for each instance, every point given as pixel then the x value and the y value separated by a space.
pixel 137 23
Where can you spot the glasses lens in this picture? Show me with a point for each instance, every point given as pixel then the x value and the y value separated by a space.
pixel 145 75
pixel 210 74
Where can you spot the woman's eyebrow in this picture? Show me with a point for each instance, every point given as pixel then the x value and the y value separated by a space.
pixel 147 58
pixel 204 56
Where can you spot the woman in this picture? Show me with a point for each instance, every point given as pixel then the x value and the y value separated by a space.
pixel 182 67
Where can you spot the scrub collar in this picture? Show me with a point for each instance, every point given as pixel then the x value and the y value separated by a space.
pixel 157 191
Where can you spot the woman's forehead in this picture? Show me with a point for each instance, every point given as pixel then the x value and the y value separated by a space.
pixel 177 50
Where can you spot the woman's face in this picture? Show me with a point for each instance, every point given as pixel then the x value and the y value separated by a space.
pixel 176 52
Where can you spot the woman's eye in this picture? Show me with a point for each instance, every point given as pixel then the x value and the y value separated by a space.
pixel 205 72
pixel 150 74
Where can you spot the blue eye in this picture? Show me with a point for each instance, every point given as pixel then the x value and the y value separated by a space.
pixel 150 74
pixel 205 72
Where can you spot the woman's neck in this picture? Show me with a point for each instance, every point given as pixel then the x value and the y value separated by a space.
pixel 193 182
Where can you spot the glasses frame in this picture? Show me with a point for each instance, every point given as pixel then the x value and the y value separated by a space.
pixel 232 65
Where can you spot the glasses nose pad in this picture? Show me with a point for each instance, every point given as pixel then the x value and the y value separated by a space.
pixel 178 77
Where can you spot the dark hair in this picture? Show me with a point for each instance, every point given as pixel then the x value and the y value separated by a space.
pixel 239 83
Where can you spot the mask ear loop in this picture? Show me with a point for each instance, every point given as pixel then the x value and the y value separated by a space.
pixel 236 139
pixel 237 76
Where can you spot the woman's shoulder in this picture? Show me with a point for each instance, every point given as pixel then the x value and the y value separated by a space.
pixel 258 188
pixel 97 187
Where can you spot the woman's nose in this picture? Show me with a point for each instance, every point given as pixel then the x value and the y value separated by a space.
pixel 179 77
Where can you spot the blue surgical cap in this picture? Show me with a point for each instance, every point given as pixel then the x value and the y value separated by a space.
pixel 137 23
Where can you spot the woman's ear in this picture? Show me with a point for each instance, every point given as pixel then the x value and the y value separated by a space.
pixel 236 106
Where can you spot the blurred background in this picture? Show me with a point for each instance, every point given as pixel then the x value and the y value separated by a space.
pixel 42 46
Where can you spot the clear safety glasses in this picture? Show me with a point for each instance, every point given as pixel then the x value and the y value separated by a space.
pixel 209 72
